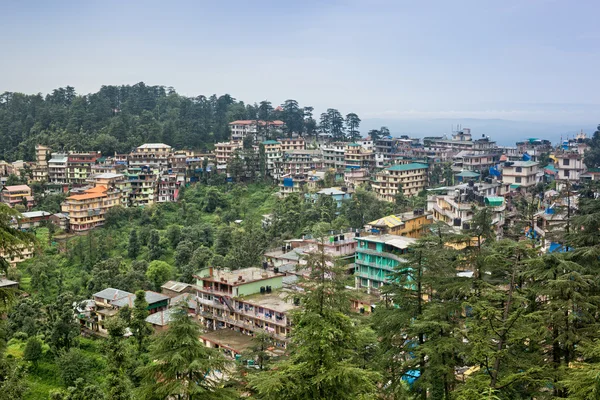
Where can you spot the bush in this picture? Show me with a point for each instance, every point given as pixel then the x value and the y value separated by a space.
pixel 72 365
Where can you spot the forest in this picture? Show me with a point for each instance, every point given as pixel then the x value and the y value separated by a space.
pixel 120 118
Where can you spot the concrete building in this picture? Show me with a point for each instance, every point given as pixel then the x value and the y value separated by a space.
pixel 376 257
pixel 247 301
pixel 355 156
pixel 57 170
pixel 291 144
pixel 144 186
pixel 410 178
pixel 18 255
pixel 242 128
pixel 522 173
pixel 87 210
pixel 79 167
pixel 154 155
pixel 224 152
pixel 334 155
pixel 298 162
pixel 273 154
pixel 410 224
pixel 33 219
pixel 40 169
pixel 17 194
pixel 569 165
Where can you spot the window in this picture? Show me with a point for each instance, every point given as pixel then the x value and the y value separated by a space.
pixel 566 173
pixel 518 179
pixel 518 169
pixel 565 161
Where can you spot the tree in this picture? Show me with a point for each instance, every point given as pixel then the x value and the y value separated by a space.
pixel 318 368
pixel 155 249
pixel 33 350
pixel 133 247
pixel 158 273
pixel 352 124
pixel 310 125
pixel 248 245
pixel 374 134
pixel 335 123
pixel 64 331
pixel 140 329
pixel 72 365
pixel 592 155
pixel 174 235
pixel 181 366
pixel 293 117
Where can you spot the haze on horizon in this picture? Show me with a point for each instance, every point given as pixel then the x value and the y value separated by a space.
pixel 391 61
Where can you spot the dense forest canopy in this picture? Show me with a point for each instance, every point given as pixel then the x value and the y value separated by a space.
pixel 118 118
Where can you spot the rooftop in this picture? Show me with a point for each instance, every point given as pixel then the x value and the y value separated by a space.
pixel 400 242
pixel 229 339
pixel 176 286
pixel 111 294
pixel 253 122
pixel 161 318
pixel 108 175
pixel 7 282
pixel 523 164
pixel 391 221
pixel 271 142
pixel 35 214
pixel 275 301
pixel 16 188
pixel 331 192
pixel 151 298
pixel 154 146
pixel 233 277
pixel 407 167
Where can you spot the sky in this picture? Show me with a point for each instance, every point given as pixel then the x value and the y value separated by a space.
pixel 389 61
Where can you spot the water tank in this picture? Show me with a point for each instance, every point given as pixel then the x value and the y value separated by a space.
pixel 262 290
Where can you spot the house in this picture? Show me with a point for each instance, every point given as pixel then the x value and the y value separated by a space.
pixel 61 221
pixel 174 288
pixel 410 224
pixel 17 255
pixel 523 173
pixel 160 320
pixel 7 283
pixel 570 166
pixel 410 179
pixel 355 156
pixel 224 152
pixel 338 196
pixel 33 219
pixel 376 257
pixel 248 301
pixel 241 129
pixel 17 194
pixel 291 144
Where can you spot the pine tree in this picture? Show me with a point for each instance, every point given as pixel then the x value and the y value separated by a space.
pixel 138 325
pixel 323 360
pixel 181 366
pixel 133 247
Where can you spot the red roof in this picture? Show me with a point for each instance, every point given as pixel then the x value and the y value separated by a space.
pixel 16 188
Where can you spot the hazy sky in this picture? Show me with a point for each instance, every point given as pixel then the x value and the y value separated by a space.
pixel 533 60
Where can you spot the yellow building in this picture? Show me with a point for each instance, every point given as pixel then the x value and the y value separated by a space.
pixel 411 224
pixel 410 178
pixel 17 194
pixel 22 253
pixel 40 170
pixel 355 156
pixel 86 211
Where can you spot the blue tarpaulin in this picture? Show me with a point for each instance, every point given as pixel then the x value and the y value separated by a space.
pixel 288 182
pixel 494 172
pixel 526 157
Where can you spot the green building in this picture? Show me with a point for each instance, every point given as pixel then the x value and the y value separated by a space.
pixel 376 257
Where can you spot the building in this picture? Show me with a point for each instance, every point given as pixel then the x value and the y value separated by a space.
pixel 522 173
pixel 292 184
pixel 456 206
pixel 376 257
pixel 57 170
pixel 174 288
pixel 334 155
pixel 297 162
pixel 353 177
pixel 79 166
pixel 154 155
pixel 168 187
pixel 18 255
pixel 410 224
pixel 40 170
pixel 144 185
pixel 33 219
pixel 247 301
pixel 338 196
pixel 87 210
pixel 570 166
pixel 355 156
pixel 113 181
pixel 273 155
pixel 17 194
pixel 408 178
pixel 224 152
pixel 7 283
pixel 243 128
pixel 61 221
pixel 292 144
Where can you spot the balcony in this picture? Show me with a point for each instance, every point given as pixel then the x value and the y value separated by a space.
pixel 243 324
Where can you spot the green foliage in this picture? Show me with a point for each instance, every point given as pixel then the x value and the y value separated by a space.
pixel 158 273
pixel 181 365
pixel 33 350
pixel 73 365
pixel 138 325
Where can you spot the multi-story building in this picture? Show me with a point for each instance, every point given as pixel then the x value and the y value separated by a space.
pixel 297 162
pixel 333 155
pixel 376 258
pixel 168 188
pixel 480 161
pixel 522 173
pixel 410 224
pixel 113 181
pixel 79 166
pixel 410 178
pixel 353 177
pixel 242 128
pixel 273 154
pixel 355 156
pixel 17 194
pixel 291 144
pixel 457 205
pixel 144 185
pixel 17 255
pixel 570 166
pixel 32 219
pixel 87 210
pixel 40 170
pixel 224 152
pixel 292 184
pixel 247 301
pixel 154 155
pixel 57 170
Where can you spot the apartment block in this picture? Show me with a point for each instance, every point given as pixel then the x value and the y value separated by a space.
pixel 154 155
pixel 17 194
pixel 334 155
pixel 570 165
pixel 355 156
pixel 301 161
pixel 79 166
pixel 224 152
pixel 408 178
pixel 144 186
pixel 242 128
pixel 273 154
pixel 87 210
pixel 376 258
pixel 40 170
pixel 57 170
pixel 410 224
pixel 291 144
pixel 247 301
pixel 524 174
